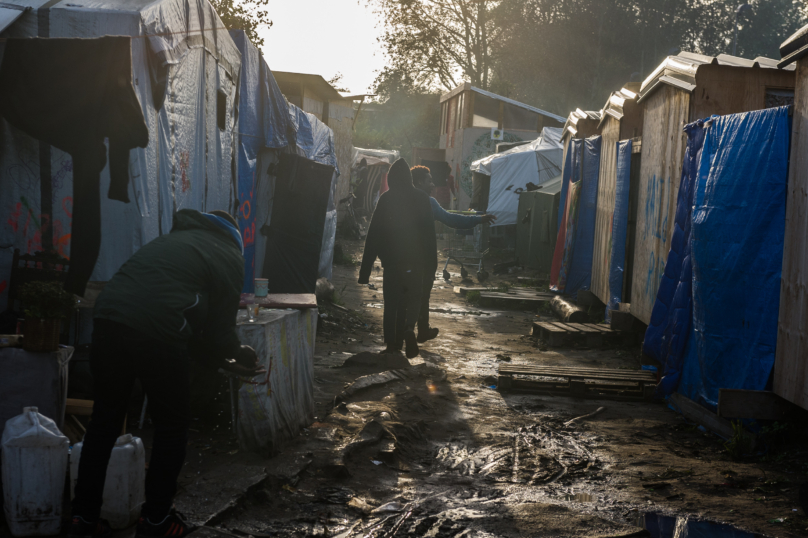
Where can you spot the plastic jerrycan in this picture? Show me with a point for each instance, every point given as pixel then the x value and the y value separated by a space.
pixel 124 488
pixel 34 454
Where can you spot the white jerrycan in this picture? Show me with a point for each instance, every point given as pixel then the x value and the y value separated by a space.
pixel 34 454
pixel 125 483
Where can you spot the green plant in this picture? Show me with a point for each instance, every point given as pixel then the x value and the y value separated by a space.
pixel 46 300
pixel 473 297
pixel 740 443
pixel 504 287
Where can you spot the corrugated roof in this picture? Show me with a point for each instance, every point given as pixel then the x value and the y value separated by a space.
pixel 680 70
pixel 794 48
pixel 466 86
pixel 577 115
pixel 614 106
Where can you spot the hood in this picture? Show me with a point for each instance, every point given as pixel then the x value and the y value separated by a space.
pixel 191 219
pixel 399 176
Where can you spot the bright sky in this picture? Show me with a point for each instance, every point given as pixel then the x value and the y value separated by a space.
pixel 324 37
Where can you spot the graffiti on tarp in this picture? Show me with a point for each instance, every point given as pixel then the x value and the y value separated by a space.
pixel 30 225
pixel 657 206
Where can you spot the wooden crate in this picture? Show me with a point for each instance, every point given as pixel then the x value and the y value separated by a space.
pixel 581 382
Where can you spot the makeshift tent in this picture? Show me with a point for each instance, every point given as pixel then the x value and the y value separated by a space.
pixel 681 90
pixel 536 162
pixel 572 265
pixel 537 226
pixel 186 71
pixel 269 125
pixel 622 120
pixel 736 243
pixel 369 175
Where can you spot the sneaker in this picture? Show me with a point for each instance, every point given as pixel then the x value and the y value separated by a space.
pixel 173 525
pixel 410 345
pixel 81 528
pixel 427 334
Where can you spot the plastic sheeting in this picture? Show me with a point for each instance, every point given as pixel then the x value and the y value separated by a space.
pixel 580 272
pixel 538 162
pixel 263 122
pixel 566 177
pixel 186 62
pixel 275 408
pixel 669 331
pixel 567 217
pixel 617 245
pixel 737 234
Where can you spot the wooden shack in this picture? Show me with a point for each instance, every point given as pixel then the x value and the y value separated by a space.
pixel 580 124
pixel 682 89
pixel 791 358
pixel 622 120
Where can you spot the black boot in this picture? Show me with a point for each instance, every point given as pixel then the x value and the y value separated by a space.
pixel 430 333
pixel 411 344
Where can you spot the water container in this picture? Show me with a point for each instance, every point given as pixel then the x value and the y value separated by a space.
pixel 34 454
pixel 126 477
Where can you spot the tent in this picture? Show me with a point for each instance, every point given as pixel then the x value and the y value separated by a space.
pixel 537 162
pixel 186 72
pixel 537 226
pixel 268 126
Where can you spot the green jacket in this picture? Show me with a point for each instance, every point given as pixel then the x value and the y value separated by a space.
pixel 182 284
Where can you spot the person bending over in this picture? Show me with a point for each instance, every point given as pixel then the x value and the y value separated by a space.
pixel 422 179
pixel 402 235
pixel 179 290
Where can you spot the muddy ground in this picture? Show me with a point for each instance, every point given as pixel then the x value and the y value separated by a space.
pixel 430 447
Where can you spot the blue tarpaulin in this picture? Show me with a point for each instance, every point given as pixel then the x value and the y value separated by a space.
pixel 565 183
pixel 669 330
pixel 617 259
pixel 737 239
pixel 580 274
pixel 263 121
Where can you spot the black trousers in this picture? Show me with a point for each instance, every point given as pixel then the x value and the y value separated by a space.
pixel 119 355
pixel 426 290
pixel 402 303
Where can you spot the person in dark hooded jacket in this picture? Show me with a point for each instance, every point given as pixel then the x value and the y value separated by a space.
pixel 402 235
pixel 175 299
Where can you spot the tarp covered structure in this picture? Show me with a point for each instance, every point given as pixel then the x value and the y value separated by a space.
pixel 186 72
pixel 619 226
pixel 268 124
pixel 736 244
pixel 536 162
pixel 537 226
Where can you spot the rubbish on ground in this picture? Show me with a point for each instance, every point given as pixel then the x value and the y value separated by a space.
pixel 394 506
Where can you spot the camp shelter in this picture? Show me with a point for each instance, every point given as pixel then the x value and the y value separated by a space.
pixel 368 175
pixel 268 126
pixel 580 124
pixel 680 90
pixel 536 227
pixel 791 363
pixel 474 121
pixel 621 120
pixel 536 162
pixel 185 71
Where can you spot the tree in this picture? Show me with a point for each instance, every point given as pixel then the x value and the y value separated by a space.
pixel 438 42
pixel 247 15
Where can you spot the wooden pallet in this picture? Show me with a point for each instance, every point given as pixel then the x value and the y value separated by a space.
pixel 557 333
pixel 575 381
pixel 515 299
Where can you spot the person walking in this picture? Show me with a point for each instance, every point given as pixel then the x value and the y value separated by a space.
pixel 402 235
pixel 422 180
pixel 182 289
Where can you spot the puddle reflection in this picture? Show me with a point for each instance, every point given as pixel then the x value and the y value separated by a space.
pixel 662 526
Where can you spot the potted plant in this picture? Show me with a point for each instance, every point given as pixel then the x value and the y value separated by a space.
pixel 45 304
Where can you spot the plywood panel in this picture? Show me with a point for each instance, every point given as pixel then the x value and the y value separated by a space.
pixel 722 89
pixel 791 359
pixel 607 183
pixel 666 113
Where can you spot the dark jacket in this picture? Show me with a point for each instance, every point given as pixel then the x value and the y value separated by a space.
pixel 182 284
pixel 402 231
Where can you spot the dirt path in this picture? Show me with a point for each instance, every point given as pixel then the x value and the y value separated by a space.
pixel 431 448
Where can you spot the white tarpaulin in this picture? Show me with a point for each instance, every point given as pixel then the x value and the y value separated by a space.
pixel 537 162
pixel 185 67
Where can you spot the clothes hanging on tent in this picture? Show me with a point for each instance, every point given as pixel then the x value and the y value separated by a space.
pixel 295 234
pixel 73 94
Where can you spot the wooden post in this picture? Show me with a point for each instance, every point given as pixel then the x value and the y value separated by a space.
pixel 567 311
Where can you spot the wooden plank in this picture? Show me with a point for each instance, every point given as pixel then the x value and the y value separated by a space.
pixel 753 404
pixel 550 327
pixel 704 417
pixel 667 110
pixel 463 290
pixel 791 365
pixel 638 375
pixel 601 328
pixel 74 406
pixel 622 321
pixel 564 326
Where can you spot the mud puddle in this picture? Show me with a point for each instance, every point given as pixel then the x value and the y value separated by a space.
pixel 664 526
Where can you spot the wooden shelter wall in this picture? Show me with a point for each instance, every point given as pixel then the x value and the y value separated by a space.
pixel 722 89
pixel 631 124
pixel 663 144
pixel 607 185
pixel 791 362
